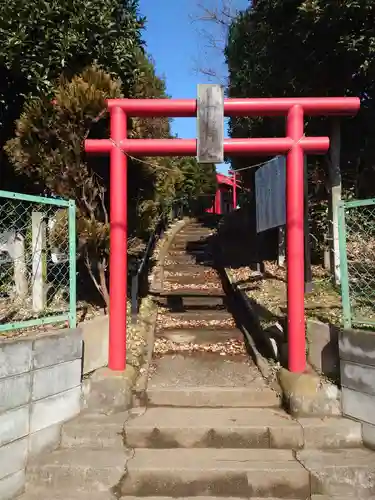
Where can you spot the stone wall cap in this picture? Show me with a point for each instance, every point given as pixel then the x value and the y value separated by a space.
pixel 39 335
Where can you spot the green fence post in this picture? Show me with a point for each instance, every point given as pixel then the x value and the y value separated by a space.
pixel 345 296
pixel 72 265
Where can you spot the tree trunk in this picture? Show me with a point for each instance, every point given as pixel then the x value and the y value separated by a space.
pixel 103 283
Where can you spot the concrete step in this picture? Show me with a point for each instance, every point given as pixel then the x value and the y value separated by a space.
pixel 189 260
pixel 69 494
pixel 217 472
pixel 194 229
pixel 212 397
pixel 45 494
pixel 237 428
pixel 200 334
pixel 33 493
pixel 204 380
pixel 340 473
pixel 191 286
pixel 182 244
pixel 194 292
pixel 96 431
pixel 181 258
pixel 213 428
pixel 333 432
pixel 184 316
pixel 192 237
pixel 178 301
pixel 190 269
pixel 188 278
pixel 90 470
pixel 329 497
pixel 190 251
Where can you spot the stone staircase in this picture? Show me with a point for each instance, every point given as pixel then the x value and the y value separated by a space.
pixel 212 427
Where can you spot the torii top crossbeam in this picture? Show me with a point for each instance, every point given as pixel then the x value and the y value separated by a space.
pixel 180 108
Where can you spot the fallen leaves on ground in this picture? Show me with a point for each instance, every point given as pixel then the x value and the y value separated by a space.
pixel 170 286
pixel 165 321
pixel 228 348
pixel 269 291
pixel 169 262
pixel 204 274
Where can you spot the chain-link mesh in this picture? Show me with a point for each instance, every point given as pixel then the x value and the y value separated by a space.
pixel 35 285
pixel 357 257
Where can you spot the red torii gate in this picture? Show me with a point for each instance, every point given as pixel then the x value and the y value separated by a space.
pixel 294 146
pixel 225 180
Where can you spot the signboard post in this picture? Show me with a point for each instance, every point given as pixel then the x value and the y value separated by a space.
pixel 270 190
pixel 308 273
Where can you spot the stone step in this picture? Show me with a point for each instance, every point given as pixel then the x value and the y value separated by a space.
pixel 68 494
pixel 329 497
pixel 340 473
pixel 201 250
pixel 237 428
pixel 194 229
pixel 208 380
pixel 187 275
pixel 181 258
pixel 33 493
pixel 178 302
pixel 189 269
pixel 332 432
pixel 217 472
pixel 183 316
pixel 197 278
pixel 91 470
pixel 94 431
pixel 213 428
pixel 192 238
pixel 193 235
pixel 196 256
pixel 198 293
pixel 189 260
pixel 212 397
pixel 200 334
pixel 182 244
pixel 210 287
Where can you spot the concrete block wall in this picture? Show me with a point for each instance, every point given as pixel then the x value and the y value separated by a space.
pixel 40 388
pixel 357 371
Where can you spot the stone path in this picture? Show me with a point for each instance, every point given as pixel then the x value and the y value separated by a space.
pixel 212 428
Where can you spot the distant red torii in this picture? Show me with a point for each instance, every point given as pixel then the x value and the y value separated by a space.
pixel 224 180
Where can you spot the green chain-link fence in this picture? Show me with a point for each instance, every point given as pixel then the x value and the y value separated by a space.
pixel 37 261
pixel 357 261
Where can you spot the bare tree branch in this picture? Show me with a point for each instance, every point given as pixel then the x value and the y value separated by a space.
pixel 212 20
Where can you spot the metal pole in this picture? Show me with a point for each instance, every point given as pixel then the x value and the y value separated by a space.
pixel 295 242
pixel 118 243
pixel 234 191
pixel 134 300
pixel 72 264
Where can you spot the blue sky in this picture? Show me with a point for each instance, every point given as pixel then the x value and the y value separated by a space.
pixel 174 39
